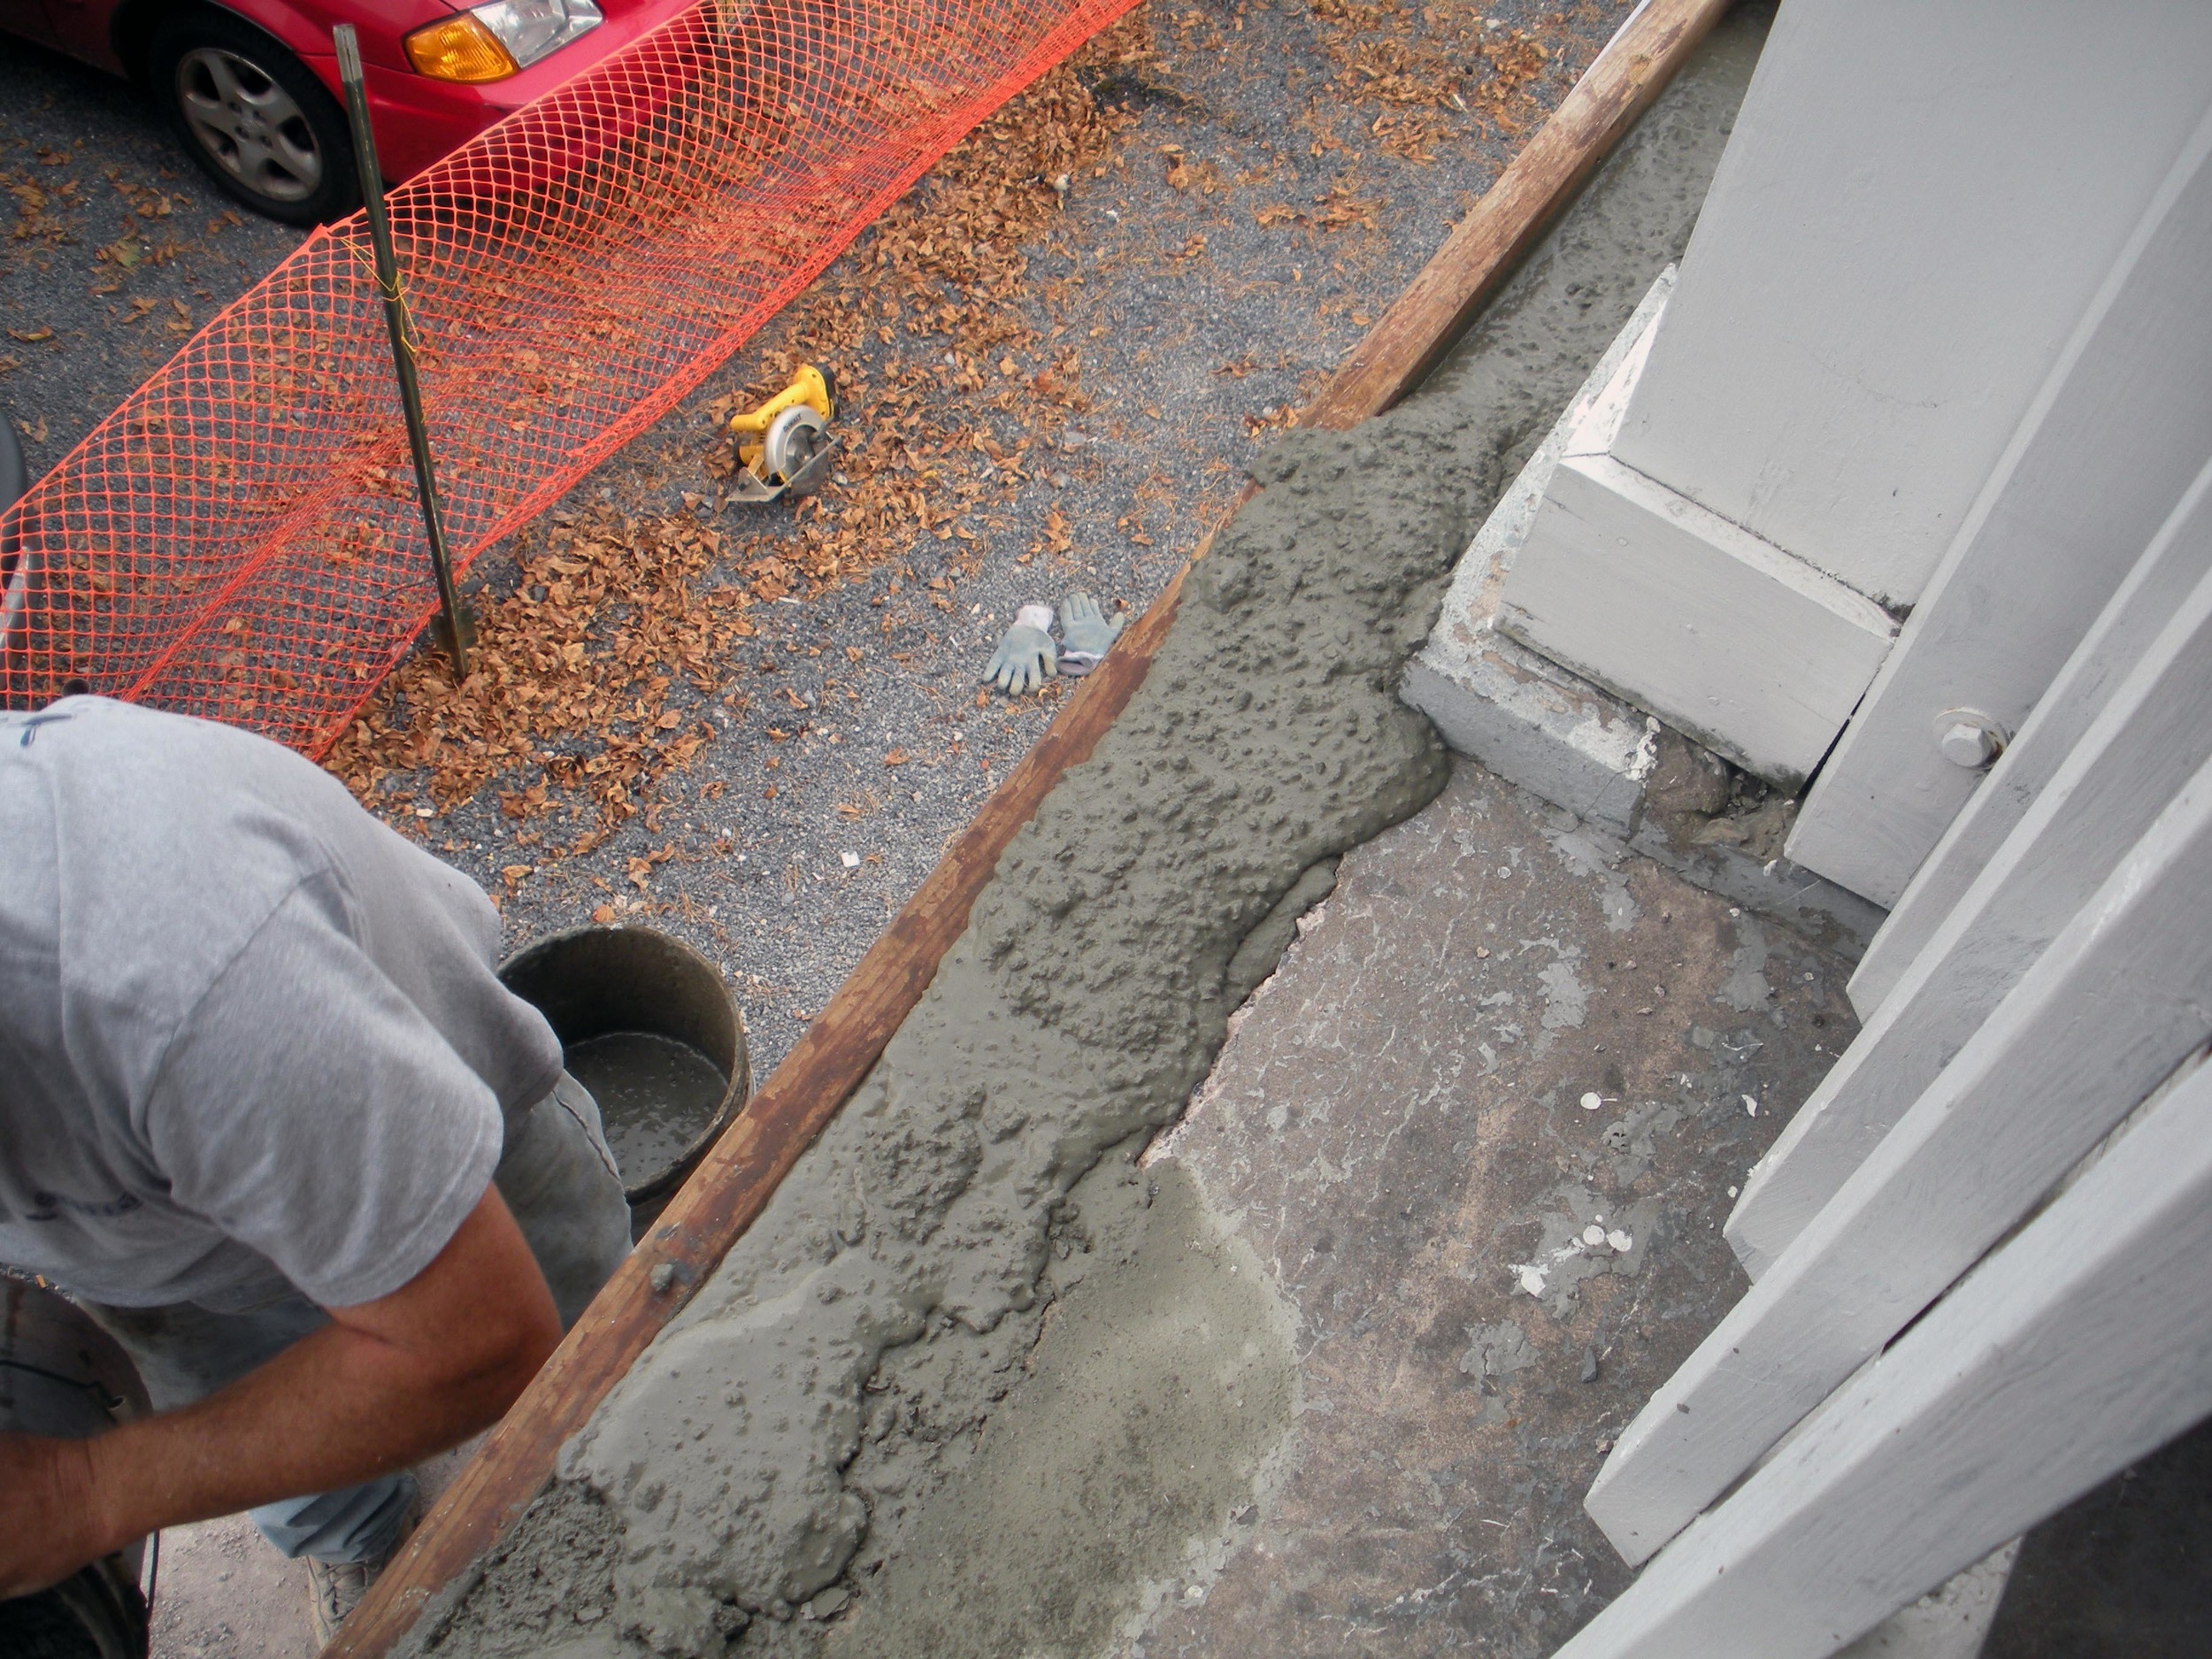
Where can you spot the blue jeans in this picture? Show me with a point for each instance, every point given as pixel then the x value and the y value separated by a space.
pixel 559 1181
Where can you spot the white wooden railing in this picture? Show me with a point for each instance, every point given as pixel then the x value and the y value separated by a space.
pixel 1979 1254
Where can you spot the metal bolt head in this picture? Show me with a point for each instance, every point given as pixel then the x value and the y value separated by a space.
pixel 1969 739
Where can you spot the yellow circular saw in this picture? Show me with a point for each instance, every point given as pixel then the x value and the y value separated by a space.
pixel 784 447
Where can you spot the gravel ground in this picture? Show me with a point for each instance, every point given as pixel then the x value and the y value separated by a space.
pixel 1271 176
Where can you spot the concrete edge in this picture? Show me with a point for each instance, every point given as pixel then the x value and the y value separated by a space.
pixel 1552 731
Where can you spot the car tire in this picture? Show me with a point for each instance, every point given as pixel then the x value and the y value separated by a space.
pixel 253 116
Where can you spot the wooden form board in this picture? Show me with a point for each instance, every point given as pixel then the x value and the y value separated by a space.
pixel 733 1186
pixel 2154 734
pixel 2108 1011
pixel 2083 1344
pixel 2178 556
pixel 2110 442
pixel 1435 310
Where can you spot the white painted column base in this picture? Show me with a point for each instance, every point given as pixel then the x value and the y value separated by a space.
pixel 1755 653
pixel 1535 724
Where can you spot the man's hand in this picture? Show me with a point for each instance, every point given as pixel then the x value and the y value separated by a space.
pixel 383 1386
pixel 47 1530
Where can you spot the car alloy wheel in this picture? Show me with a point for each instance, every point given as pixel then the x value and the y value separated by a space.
pixel 252 115
pixel 249 125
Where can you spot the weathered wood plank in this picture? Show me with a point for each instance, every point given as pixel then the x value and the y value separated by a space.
pixel 2154 732
pixel 2082 1345
pixel 733 1183
pixel 2109 1009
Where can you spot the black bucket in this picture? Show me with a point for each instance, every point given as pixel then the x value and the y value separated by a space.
pixel 60 1374
pixel 648 1025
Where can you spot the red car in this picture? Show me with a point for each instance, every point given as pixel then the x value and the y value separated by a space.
pixel 252 89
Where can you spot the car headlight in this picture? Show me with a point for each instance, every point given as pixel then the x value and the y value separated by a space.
pixel 490 42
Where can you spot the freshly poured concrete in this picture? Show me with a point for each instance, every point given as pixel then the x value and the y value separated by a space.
pixel 835 1424
pixel 1155 1403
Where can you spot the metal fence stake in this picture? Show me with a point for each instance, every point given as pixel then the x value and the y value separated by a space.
pixel 456 629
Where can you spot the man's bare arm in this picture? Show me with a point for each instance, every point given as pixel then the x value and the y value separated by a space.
pixel 381 1387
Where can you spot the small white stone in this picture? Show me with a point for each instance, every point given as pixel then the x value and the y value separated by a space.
pixel 1621 1240
pixel 851 861
pixel 1593 1236
pixel 1750 1106
pixel 1532 1280
pixel 1731 1192
pixel 1592 1101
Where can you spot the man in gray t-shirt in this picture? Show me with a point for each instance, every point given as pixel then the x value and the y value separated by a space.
pixel 257 1080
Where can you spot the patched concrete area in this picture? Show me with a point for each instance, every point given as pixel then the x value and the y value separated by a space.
pixel 1155 1404
pixel 1482 1130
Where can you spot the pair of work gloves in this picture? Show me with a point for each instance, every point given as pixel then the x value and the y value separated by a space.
pixel 1028 656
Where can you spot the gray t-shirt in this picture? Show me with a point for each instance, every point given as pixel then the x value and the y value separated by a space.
pixel 249 1038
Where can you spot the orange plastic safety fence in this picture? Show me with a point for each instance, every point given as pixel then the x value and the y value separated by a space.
pixel 241 539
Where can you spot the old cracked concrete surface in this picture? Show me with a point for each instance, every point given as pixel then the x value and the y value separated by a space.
pixel 1329 1367
pixel 1486 1274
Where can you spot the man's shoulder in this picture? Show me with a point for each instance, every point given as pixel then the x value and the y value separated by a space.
pixel 145 850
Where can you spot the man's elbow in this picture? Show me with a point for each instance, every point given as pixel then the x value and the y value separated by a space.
pixel 514 1351
pixel 482 1319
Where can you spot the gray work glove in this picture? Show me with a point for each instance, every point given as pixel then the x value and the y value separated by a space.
pixel 1025 658
pixel 1085 634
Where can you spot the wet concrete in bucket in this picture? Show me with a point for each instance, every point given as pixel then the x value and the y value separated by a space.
pixel 655 1094
pixel 973 1383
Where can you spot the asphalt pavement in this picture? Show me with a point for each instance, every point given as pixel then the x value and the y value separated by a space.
pixel 118 249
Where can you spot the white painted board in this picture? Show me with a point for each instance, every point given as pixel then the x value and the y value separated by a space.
pixel 2078 1348
pixel 2154 732
pixel 1755 654
pixel 1915 206
pixel 2159 586
pixel 2119 428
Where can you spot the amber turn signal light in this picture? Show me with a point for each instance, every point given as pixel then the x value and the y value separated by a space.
pixel 459 48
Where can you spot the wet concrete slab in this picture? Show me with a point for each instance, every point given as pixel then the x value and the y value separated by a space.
pixel 1482 1128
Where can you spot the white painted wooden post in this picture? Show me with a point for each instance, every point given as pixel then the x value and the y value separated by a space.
pixel 2159 586
pixel 1756 655
pixel 2121 426
pixel 1857 334
pixel 2111 1008
pixel 2082 1345
pixel 1916 207
pixel 2154 732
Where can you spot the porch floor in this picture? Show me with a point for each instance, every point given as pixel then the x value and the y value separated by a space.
pixel 1500 1037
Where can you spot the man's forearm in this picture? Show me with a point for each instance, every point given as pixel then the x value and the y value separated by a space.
pixel 338 1407
pixel 383 1385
